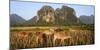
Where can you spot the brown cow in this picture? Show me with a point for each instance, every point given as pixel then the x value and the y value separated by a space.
pixel 40 37
pixel 22 34
pixel 61 35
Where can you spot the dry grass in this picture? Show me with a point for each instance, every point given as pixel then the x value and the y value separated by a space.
pixel 79 37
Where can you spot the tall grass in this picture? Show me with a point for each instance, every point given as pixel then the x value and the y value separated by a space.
pixel 82 37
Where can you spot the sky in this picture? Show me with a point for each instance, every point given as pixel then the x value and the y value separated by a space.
pixel 28 10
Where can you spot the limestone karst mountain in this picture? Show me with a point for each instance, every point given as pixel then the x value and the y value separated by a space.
pixel 46 13
pixel 66 15
pixel 48 16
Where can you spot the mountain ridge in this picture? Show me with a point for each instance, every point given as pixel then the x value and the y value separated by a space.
pixel 47 16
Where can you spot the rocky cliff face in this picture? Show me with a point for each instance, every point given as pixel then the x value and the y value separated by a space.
pixel 46 13
pixel 65 15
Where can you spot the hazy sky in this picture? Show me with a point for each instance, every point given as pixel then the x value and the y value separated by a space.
pixel 27 10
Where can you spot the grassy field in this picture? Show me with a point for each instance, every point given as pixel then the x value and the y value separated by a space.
pixel 26 37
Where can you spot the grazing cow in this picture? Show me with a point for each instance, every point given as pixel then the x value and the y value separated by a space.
pixel 22 34
pixel 40 37
pixel 49 36
pixel 30 34
pixel 48 32
pixel 62 36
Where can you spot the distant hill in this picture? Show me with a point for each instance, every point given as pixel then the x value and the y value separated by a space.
pixel 47 16
pixel 16 19
pixel 87 19
pixel 31 21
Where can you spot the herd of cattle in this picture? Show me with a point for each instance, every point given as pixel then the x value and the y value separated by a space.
pixel 47 37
